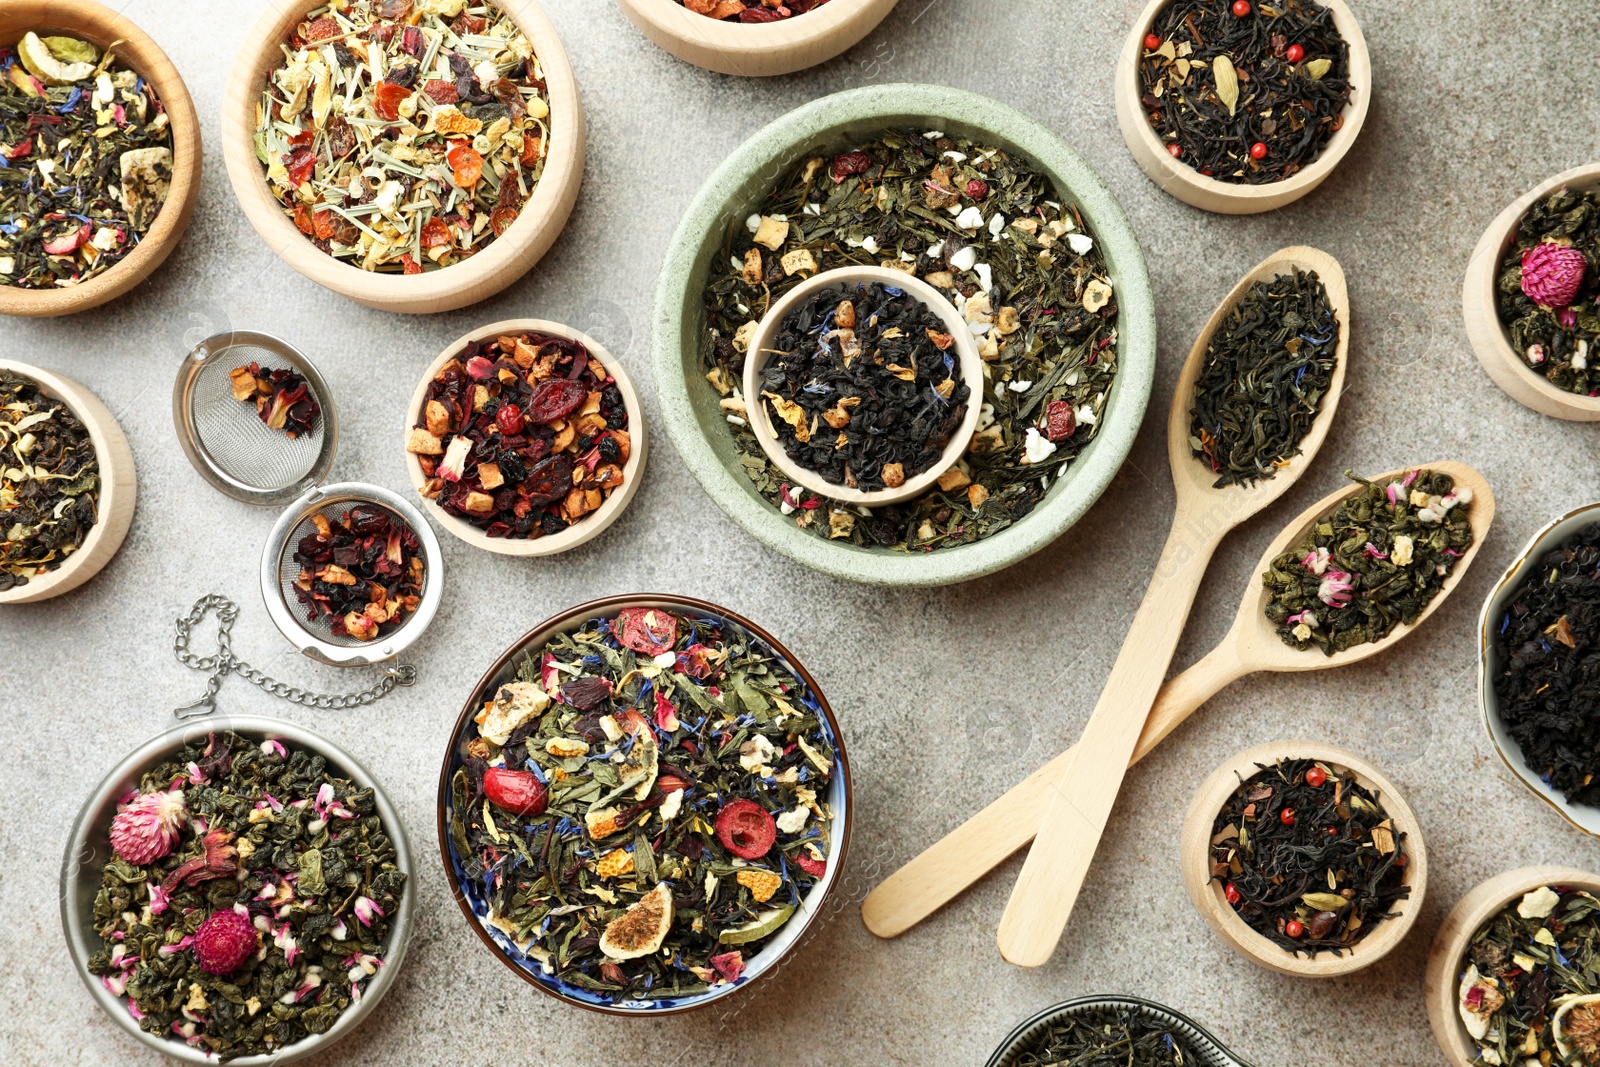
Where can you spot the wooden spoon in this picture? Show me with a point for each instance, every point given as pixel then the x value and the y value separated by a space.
pixel 1080 804
pixel 984 841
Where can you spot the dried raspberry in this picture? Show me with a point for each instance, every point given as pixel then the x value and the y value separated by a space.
pixel 224 942
pixel 977 188
pixel 746 829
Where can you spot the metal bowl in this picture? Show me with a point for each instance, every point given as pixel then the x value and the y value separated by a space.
pixel 469 893
pixel 89 848
pixel 1211 1051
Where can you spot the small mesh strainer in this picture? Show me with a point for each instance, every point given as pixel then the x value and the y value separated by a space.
pixel 226 440
pixel 279 571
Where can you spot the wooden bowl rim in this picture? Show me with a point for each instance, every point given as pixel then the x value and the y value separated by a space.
pixel 852 19
pixel 966 350
pixel 1183 181
pixel 1476 907
pixel 509 257
pixel 115 458
pixel 1220 916
pixel 140 53
pixel 593 524
pixel 1491 341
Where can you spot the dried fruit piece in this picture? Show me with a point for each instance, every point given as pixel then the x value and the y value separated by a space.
pixel 642 928
pixel 746 829
pixel 519 792
pixel 648 631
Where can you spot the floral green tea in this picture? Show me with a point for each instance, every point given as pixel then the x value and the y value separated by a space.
pixel 1548 288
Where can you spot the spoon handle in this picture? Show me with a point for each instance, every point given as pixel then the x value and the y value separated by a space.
pixel 955 862
pixel 1078 805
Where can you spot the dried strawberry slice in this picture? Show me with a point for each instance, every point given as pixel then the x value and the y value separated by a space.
pixel 556 399
pixel 519 792
pixel 815 868
pixel 648 631
pixel 745 829
pixel 586 694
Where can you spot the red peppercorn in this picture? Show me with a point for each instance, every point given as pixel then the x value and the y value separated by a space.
pixel 1294 53
pixel 1293 928
pixel 1231 893
pixel 977 188
pixel 1241 8
pixel 1316 777
pixel 1151 42
pixel 1286 816
pixel 1258 150
pixel 509 419
pixel 1333 831
pixel 1174 150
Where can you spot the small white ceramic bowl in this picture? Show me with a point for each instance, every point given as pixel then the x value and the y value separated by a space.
pixel 848 279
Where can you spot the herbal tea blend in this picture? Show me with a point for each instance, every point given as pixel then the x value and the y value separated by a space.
pixel 49 482
pixel 1530 989
pixel 362 572
pixel 1266 371
pixel 87 161
pixel 1375 563
pixel 863 386
pixel 1548 687
pixel 403 136
pixel 522 435
pixel 1245 92
pixel 1106 1037
pixel 281 397
pixel 248 899
pixel 1549 288
pixel 752 10
pixel 1307 857
pixel 646 804
pixel 993 233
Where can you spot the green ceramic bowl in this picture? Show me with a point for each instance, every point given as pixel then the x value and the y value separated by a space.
pixel 696 424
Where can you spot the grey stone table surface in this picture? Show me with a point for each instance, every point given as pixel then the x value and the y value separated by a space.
pixel 946 696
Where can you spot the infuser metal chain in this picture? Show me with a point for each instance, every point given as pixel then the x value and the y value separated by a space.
pixel 223 662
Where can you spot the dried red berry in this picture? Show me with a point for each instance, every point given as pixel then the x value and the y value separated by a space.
pixel 761 14
pixel 1241 8
pixel 509 419
pixel 1059 420
pixel 847 163
pixel 1294 53
pixel 550 479
pixel 1231 894
pixel 300 163
pixel 1258 150
pixel 646 630
pixel 1315 777
pixel 977 188
pixel 1287 816
pixel 1174 150
pixel 1293 928
pixel 519 792
pixel 556 399
pixel 815 868
pixel 745 829
pixel 1152 42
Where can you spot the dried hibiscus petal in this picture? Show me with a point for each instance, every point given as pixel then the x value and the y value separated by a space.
pixel 587 693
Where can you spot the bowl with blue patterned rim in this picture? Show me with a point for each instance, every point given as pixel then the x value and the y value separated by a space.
pixel 497 859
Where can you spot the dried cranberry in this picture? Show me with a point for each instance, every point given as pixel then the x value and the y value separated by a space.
pixel 645 630
pixel 519 792
pixel 1059 420
pixel 849 163
pixel 509 419
pixel 556 399
pixel 587 693
pixel 745 829
pixel 550 479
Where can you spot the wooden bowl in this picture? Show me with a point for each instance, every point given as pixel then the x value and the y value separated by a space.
pixel 1229 198
pixel 117 489
pixel 510 256
pixel 595 522
pixel 1450 946
pixel 103 26
pixel 766 336
pixel 1491 341
pixel 761 49
pixel 1219 914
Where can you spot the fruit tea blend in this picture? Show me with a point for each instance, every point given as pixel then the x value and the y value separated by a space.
pixel 994 234
pixel 645 805
pixel 751 11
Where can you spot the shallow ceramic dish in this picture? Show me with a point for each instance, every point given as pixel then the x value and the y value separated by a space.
pixel 89 848
pixel 593 524
pixel 1491 341
pixel 1211 1051
pixel 118 489
pixel 1584 817
pixel 695 421
pixel 756 49
pixel 966 351
pixel 469 893
pixel 1231 198
pixel 1219 914
pixel 1442 978
pixel 511 255
pixel 102 26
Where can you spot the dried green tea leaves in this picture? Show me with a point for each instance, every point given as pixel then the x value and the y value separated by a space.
pixel 49 482
pixel 978 224
pixel 1374 564
pixel 1307 857
pixel 249 899
pixel 88 161
pixel 1548 285
pixel 1107 1037
pixel 1266 371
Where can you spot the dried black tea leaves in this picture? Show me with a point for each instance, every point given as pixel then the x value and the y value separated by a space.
pixel 49 482
pixel 1249 97
pixel 1530 982
pixel 995 235
pixel 1111 1036
pixel 1377 562
pixel 1307 857
pixel 1266 371
pixel 646 804
pixel 1548 685
pixel 249 897
pixel 863 386
pixel 1547 290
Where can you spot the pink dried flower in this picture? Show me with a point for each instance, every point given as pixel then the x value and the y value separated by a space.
pixel 1372 551
pixel 1316 561
pixel 367 909
pixel 729 964
pixel 1335 588
pixel 1552 274
pixel 147 828
pixel 224 942
pixel 160 899
pixel 666 714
